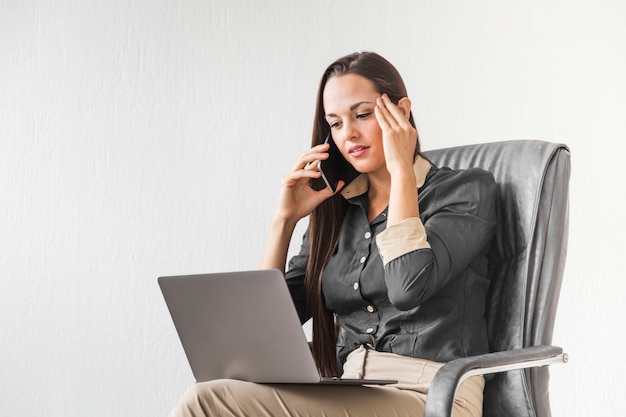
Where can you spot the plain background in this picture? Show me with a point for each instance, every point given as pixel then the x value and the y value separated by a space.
pixel 148 137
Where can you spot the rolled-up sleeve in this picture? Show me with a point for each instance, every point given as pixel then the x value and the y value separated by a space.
pixel 401 238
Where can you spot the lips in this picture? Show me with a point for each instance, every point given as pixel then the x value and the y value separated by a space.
pixel 357 150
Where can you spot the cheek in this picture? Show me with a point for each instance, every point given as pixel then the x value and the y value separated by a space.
pixel 375 131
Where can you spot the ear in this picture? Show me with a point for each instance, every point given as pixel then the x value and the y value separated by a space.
pixel 404 104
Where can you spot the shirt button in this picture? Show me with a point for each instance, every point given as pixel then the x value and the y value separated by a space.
pixel 356 286
pixel 363 259
pixel 369 331
pixel 368 235
pixel 370 309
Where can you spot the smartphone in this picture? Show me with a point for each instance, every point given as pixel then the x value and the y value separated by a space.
pixel 336 167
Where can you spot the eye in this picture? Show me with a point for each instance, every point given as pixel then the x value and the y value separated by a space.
pixel 363 115
pixel 334 125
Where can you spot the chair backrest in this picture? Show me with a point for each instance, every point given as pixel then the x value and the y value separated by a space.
pixel 526 259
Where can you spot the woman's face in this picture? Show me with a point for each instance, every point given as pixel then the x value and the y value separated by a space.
pixel 349 102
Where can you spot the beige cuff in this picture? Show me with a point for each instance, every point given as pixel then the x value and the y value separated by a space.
pixel 401 238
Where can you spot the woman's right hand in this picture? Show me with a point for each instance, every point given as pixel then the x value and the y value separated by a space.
pixel 297 198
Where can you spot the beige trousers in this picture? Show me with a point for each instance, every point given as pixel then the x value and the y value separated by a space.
pixel 232 398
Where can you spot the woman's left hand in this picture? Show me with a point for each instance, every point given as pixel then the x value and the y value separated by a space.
pixel 399 137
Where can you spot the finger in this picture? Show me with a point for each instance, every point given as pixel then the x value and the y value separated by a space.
pixel 314 166
pixel 316 153
pixel 382 113
pixel 382 116
pixel 394 111
pixel 295 176
pixel 325 193
pixel 388 111
pixel 340 185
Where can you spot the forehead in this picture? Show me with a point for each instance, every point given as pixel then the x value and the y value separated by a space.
pixel 343 91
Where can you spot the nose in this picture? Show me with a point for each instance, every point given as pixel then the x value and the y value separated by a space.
pixel 349 130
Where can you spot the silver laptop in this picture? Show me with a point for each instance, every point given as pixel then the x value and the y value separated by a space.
pixel 242 325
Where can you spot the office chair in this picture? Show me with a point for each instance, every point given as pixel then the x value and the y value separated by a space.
pixel 526 262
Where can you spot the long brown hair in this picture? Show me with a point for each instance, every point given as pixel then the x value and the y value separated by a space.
pixel 325 221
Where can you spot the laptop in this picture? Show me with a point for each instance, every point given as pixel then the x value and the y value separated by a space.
pixel 243 325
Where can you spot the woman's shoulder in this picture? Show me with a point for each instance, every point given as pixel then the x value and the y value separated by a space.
pixel 477 177
pixel 468 189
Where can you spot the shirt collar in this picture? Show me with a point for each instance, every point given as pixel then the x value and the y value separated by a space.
pixel 360 185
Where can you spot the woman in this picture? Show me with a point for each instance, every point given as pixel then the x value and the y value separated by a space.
pixel 392 268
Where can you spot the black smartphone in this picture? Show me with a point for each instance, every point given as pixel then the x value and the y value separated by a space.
pixel 336 167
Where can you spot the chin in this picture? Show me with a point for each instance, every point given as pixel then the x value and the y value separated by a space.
pixel 365 167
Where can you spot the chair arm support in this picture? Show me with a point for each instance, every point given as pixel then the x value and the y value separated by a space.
pixel 445 383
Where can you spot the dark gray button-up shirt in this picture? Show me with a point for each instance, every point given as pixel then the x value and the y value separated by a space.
pixel 417 288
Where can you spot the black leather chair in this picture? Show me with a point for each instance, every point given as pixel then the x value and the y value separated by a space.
pixel 526 268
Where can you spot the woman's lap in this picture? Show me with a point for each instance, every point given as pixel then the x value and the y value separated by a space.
pixel 232 398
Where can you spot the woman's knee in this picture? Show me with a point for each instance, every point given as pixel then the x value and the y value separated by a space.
pixel 224 397
pixel 196 401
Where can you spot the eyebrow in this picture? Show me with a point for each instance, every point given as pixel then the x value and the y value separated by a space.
pixel 352 107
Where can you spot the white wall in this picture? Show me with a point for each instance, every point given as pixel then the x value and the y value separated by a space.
pixel 144 138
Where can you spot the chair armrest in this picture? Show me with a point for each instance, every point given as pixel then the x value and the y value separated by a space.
pixel 450 376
